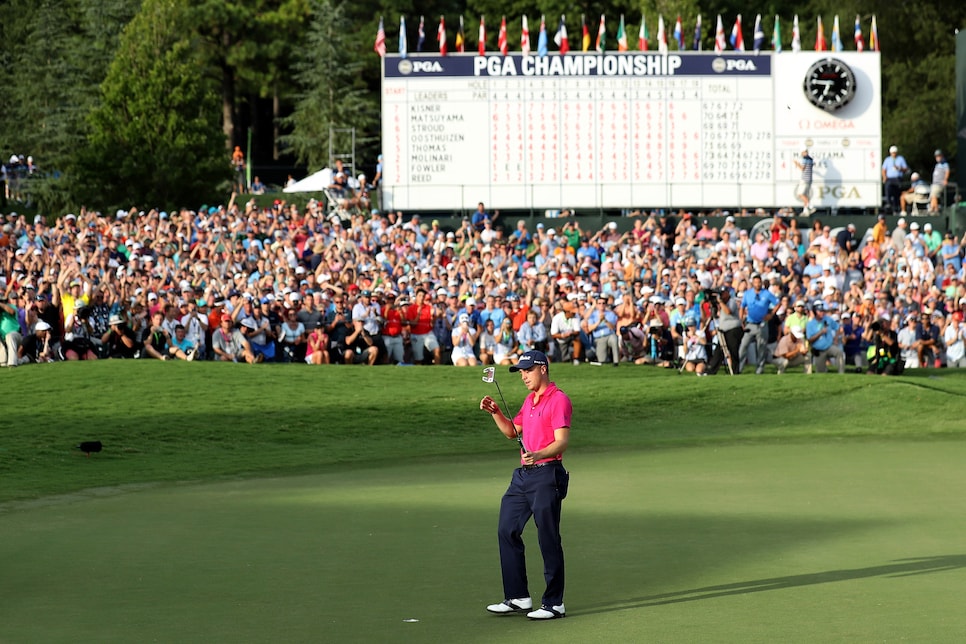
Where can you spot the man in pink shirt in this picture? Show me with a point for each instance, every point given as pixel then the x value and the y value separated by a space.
pixel 536 489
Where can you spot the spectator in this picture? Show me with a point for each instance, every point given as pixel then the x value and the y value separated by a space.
pixel 464 339
pixel 601 325
pixel 909 343
pixel 229 345
pixel 120 340
pixel 791 351
pixel 292 338
pixel 10 336
pixel 317 345
pixel 565 331
pixel 894 168
pixel 38 347
pixel 181 347
pixel 940 179
pixel 821 332
pixel 420 316
pixel 917 193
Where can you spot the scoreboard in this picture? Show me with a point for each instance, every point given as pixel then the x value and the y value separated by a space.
pixel 629 130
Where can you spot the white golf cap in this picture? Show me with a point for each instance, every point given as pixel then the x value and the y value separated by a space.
pixel 892 149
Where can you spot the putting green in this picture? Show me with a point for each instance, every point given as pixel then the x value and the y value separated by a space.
pixel 833 542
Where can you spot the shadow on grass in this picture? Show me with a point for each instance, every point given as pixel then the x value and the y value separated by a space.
pixel 897 568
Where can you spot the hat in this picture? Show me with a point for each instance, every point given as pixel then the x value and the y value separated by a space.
pixel 893 149
pixel 470 301
pixel 900 221
pixel 915 175
pixel 927 226
pixel 799 303
pixel 152 296
pixel 249 323
pixel 114 319
pixel 818 305
pixel 529 360
pixel 937 153
pixel 914 225
pixel 797 332
pixel 42 326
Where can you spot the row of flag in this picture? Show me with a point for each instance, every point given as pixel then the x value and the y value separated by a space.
pixel 561 40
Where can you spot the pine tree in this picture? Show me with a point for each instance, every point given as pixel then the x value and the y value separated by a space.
pixel 331 92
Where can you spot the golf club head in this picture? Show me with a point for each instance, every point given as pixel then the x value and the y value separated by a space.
pixel 489 373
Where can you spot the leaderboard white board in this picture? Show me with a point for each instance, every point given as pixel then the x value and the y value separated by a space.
pixel 627 130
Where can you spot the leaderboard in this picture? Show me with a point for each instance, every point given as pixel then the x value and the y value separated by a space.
pixel 625 130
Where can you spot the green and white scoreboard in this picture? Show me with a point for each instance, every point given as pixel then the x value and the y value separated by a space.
pixel 630 129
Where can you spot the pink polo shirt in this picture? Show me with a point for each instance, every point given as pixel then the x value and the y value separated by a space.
pixel 539 420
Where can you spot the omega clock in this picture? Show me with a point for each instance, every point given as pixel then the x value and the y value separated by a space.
pixel 829 84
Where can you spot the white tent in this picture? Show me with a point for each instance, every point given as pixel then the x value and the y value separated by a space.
pixel 313 183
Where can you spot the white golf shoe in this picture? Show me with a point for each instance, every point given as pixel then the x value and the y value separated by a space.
pixel 510 606
pixel 548 612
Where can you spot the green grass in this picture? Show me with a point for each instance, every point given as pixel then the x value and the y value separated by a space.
pixel 275 503
pixel 179 421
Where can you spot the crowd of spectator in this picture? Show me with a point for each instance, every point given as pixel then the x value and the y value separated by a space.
pixel 241 283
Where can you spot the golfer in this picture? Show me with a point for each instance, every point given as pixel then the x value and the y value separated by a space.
pixel 537 489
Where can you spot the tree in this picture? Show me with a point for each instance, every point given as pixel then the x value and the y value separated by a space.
pixel 331 92
pixel 156 138
pixel 247 45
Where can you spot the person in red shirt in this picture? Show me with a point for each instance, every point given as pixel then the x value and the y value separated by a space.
pixel 392 329
pixel 420 317
pixel 537 488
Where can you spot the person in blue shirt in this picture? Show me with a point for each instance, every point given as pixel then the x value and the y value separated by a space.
pixel 821 331
pixel 894 168
pixel 757 307
pixel 601 326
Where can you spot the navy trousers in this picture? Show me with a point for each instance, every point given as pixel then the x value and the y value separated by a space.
pixel 536 493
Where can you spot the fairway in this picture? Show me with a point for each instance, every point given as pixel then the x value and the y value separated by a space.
pixel 857 541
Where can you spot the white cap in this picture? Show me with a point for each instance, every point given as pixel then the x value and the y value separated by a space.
pixel 915 175
pixel 42 326
pixel 914 225
pixel 892 149
pixel 927 226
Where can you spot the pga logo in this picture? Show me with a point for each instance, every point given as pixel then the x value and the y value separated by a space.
pixel 407 67
pixel 720 65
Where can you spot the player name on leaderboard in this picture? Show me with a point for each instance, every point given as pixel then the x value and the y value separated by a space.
pixel 581 130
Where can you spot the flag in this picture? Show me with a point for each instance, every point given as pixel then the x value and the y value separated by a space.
pixel 560 38
pixel 776 37
pixel 857 36
pixel 796 35
pixel 601 36
pixel 621 36
pixel 679 33
pixel 873 36
pixel 661 35
pixel 697 34
pixel 737 41
pixel 501 42
pixel 585 36
pixel 525 38
pixel 759 37
pixel 642 36
pixel 403 41
pixel 421 40
pixel 542 38
pixel 441 36
pixel 836 36
pixel 820 37
pixel 380 46
pixel 719 37
pixel 482 38
pixel 460 38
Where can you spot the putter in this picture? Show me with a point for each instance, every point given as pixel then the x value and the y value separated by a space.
pixel 489 375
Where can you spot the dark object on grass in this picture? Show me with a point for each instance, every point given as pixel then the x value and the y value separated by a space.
pixel 90 446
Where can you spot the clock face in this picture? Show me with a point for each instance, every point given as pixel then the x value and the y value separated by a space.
pixel 829 84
